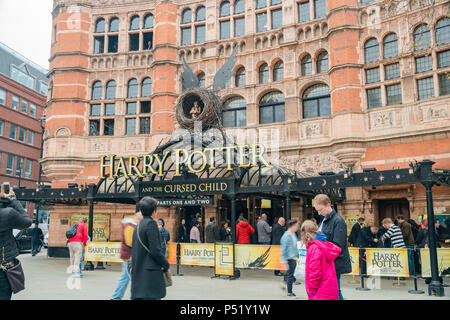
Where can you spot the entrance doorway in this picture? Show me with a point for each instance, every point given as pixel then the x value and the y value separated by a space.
pixel 391 208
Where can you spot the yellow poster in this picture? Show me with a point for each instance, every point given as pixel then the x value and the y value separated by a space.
pixel 172 250
pixel 387 262
pixel 354 258
pixel 103 251
pixel 197 254
pixel 249 256
pixel 350 221
pixel 224 259
pixel 443 258
pixel 100 230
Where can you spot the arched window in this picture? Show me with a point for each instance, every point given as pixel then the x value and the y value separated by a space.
pixel 224 9
pixel 146 90
pixel 97 90
pixel 263 73
pixel 135 23
pixel 239 6
pixel 278 71
pixel 316 101
pixel 322 62
pixel 371 50
pixel 200 14
pixel 132 91
pixel 422 38
pixel 201 79
pixel 114 25
pixel 234 112
pixel 100 25
pixel 148 21
pixel 306 65
pixel 111 89
pixel 442 31
pixel 186 16
pixel 239 79
pixel 390 46
pixel 271 107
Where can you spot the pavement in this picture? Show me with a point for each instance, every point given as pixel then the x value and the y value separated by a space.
pixel 46 279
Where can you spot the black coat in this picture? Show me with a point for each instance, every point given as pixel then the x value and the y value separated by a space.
pixel 224 234
pixel 354 233
pixel 147 269
pixel 12 216
pixel 423 239
pixel 335 228
pixel 277 232
pixel 387 242
pixel 212 233
pixel 182 234
pixel 365 239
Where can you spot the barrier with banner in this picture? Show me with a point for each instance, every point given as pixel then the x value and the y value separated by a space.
pixel 354 258
pixel 387 262
pixel 102 251
pixel 224 259
pixel 197 254
pixel 253 256
pixel 443 257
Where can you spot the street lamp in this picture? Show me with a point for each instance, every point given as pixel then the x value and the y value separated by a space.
pixel 42 122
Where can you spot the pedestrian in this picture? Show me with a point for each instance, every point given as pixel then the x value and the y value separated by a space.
pixel 254 238
pixel 278 231
pixel 244 231
pixel 387 242
pixel 321 281
pixel 195 233
pixel 355 231
pixel 165 237
pixel 225 231
pixel 212 231
pixel 367 238
pixel 37 237
pixel 148 264
pixel 76 247
pixel 335 229
pixel 264 230
pixel 393 233
pixel 289 253
pixel 12 216
pixel 423 241
pixel 128 226
pixel 182 232
pixel 408 238
pixel 414 227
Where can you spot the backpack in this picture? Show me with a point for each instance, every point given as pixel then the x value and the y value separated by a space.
pixel 72 231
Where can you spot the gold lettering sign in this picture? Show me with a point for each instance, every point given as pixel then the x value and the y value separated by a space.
pixel 196 161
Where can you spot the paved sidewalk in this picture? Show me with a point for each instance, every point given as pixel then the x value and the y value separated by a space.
pixel 46 280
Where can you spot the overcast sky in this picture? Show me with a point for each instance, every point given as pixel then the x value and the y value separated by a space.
pixel 25 26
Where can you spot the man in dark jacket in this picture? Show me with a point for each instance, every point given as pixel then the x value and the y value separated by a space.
pixel 367 238
pixel 182 232
pixel 148 262
pixel 355 231
pixel 335 228
pixel 212 231
pixel 277 232
pixel 37 236
pixel 12 216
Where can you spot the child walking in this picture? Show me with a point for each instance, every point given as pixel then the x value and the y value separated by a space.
pixel 320 274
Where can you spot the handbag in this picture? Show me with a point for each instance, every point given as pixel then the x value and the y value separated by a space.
pixel 167 277
pixel 299 272
pixel 14 273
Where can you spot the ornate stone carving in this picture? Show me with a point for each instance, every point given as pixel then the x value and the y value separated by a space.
pixel 97 147
pixel 349 156
pixel 312 164
pixel 63 132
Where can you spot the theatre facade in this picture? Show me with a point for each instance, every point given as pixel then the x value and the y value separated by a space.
pixel 315 87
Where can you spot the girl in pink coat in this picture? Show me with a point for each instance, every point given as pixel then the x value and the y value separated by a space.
pixel 320 274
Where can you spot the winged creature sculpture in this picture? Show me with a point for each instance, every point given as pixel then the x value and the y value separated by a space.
pixel 190 80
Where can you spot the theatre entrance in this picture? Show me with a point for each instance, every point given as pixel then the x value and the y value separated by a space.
pixel 391 208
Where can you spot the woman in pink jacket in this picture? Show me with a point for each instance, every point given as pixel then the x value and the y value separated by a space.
pixel 320 274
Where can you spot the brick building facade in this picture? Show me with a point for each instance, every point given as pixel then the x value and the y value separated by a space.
pixel 23 91
pixel 344 83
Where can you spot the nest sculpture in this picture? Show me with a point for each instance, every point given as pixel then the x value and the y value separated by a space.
pixel 210 113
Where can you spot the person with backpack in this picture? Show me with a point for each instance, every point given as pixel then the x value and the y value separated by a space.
pixel 77 236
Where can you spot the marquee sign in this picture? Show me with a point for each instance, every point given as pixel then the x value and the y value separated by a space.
pixel 203 201
pixel 195 161
pixel 186 187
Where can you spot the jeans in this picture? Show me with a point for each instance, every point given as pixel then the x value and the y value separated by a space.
pixel 410 258
pixel 5 289
pixel 35 247
pixel 123 282
pixel 338 276
pixel 290 274
pixel 81 261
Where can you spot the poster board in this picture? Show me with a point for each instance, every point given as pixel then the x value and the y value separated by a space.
pixel 251 256
pixel 443 261
pixel 102 251
pixel 224 259
pixel 387 262
pixel 101 227
pixel 354 259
